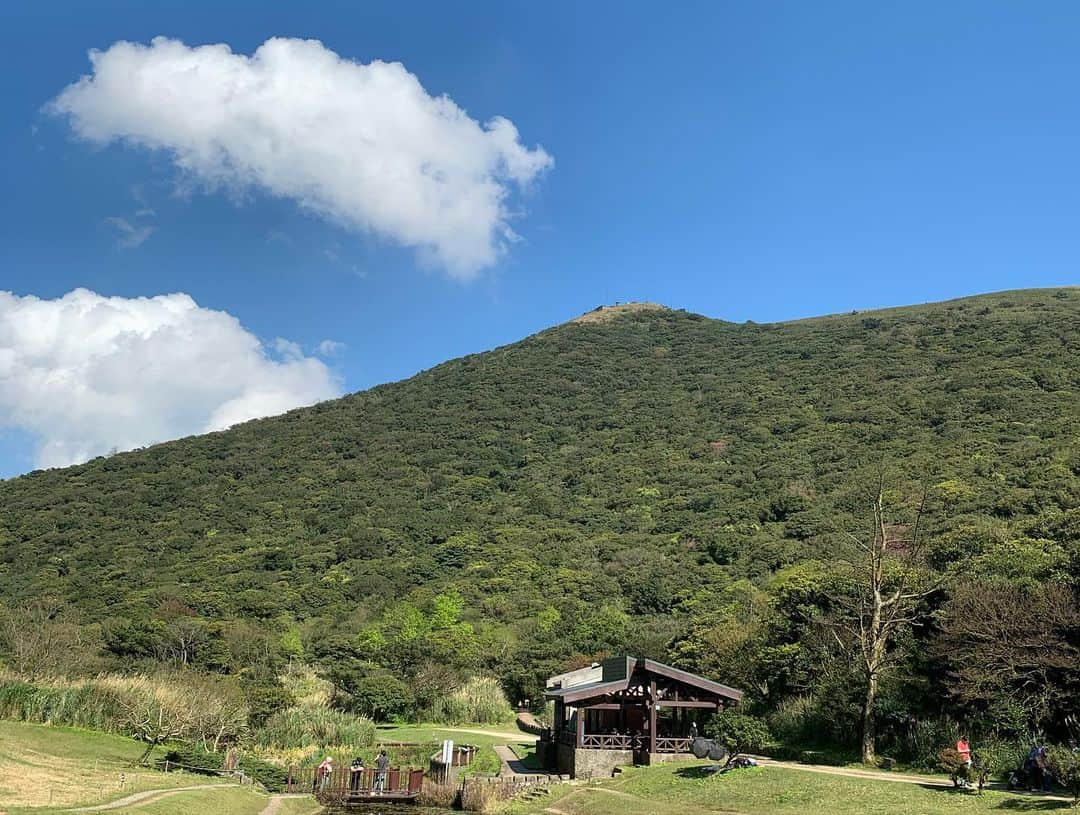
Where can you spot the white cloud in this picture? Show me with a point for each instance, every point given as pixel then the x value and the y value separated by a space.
pixel 328 348
pixel 130 235
pixel 364 145
pixel 88 374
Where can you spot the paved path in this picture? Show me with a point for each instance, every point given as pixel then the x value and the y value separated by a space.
pixel 137 797
pixel 511 764
pixel 528 721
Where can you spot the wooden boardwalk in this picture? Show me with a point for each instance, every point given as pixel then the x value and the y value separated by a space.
pixel 344 786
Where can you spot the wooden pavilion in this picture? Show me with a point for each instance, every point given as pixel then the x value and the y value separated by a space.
pixel 628 711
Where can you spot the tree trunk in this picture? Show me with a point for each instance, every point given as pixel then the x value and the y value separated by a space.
pixel 869 731
pixel 146 753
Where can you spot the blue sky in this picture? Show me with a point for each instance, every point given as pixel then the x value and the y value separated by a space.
pixel 754 160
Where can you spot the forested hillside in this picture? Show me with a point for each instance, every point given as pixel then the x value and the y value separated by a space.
pixel 646 480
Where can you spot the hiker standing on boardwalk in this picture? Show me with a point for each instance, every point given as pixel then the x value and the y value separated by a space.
pixel 382 764
pixel 356 774
pixel 322 773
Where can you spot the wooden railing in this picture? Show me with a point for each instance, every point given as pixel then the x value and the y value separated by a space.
pixel 665 744
pixel 342 782
pixel 609 741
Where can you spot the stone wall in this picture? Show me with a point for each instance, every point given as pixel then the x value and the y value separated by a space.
pixel 581 763
pixel 663 758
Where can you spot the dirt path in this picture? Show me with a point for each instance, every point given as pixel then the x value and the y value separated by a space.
pixel 138 797
pixel 854 772
pixel 498 734
pixel 902 778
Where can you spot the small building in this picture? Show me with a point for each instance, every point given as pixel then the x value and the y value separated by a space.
pixel 626 711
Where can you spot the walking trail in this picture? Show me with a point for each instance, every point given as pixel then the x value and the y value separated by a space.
pixel 138 797
pixel 517 736
pixel 271 808
pixel 903 778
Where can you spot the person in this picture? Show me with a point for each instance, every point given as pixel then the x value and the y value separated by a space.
pixel 356 774
pixel 1042 762
pixel 1035 768
pixel 322 774
pixel 964 749
pixel 382 764
pixel 693 730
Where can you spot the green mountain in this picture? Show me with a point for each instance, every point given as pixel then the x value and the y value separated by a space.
pixel 578 489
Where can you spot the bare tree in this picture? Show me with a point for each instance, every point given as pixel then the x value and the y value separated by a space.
pixel 40 639
pixel 885 590
pixel 158 717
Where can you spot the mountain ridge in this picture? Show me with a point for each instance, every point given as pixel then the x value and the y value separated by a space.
pixel 609 313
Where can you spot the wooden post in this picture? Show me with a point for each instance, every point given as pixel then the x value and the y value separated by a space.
pixel 652 717
pixel 580 727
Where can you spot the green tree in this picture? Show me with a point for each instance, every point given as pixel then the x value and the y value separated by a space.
pixel 381 697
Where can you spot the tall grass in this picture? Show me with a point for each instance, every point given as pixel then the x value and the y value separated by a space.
pixel 202 708
pixel 479 701
pixel 311 726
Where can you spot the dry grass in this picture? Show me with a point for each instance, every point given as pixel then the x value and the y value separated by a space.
pixel 59 766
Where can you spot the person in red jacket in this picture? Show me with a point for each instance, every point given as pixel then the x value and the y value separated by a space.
pixel 964 749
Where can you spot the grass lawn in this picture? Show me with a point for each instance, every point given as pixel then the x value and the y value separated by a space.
pixel 679 789
pixel 305 805
pixel 44 766
pixel 485 762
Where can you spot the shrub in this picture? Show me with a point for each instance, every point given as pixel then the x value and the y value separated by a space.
pixel 264 699
pixel 481 700
pixel 953 763
pixel 738 732
pixel 796 721
pixel 443 796
pixel 1001 757
pixel 315 727
pixel 1064 765
pixel 478 796
pixel 198 760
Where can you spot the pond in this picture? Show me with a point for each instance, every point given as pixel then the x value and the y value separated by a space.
pixel 389 809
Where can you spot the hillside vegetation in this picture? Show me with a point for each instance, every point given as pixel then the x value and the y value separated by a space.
pixel 654 481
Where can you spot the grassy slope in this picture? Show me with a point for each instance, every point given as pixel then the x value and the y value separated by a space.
pixel 684 790
pixel 63 766
pixel 228 800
